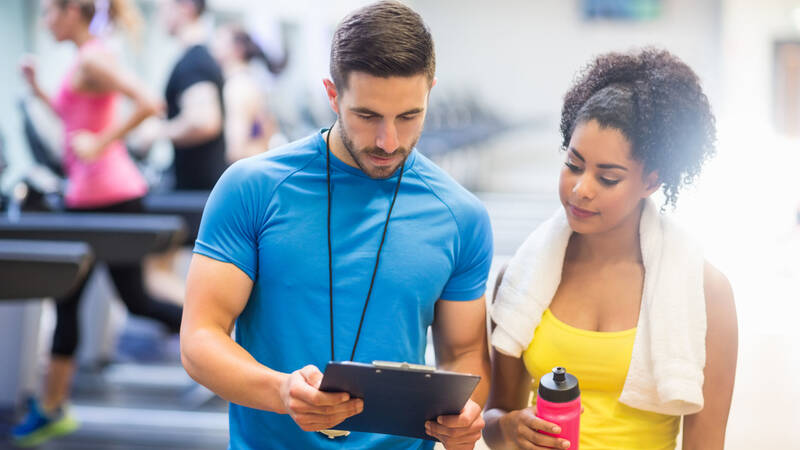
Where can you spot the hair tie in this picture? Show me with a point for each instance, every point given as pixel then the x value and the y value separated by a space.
pixel 100 21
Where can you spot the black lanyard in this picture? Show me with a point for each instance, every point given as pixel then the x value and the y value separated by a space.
pixel 330 252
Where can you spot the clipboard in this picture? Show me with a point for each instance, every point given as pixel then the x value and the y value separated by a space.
pixel 398 397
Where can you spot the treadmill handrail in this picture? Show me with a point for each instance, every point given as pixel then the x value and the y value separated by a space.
pixel 52 251
pixel 37 269
pixel 114 238
pixel 103 222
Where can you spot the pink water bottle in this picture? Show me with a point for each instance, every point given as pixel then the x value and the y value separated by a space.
pixel 559 402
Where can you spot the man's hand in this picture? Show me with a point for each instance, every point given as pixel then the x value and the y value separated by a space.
pixel 312 409
pixel 458 432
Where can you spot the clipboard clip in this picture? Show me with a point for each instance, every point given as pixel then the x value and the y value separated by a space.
pixel 403 366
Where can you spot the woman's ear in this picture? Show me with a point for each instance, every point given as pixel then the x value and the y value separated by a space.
pixel 652 183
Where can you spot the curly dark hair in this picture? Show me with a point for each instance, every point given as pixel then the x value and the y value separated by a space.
pixel 655 100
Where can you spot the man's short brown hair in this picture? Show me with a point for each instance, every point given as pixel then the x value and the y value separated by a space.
pixel 383 39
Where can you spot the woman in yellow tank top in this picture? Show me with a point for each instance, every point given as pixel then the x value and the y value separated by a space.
pixel 632 123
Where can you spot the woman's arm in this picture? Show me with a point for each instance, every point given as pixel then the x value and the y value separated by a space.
pixel 238 118
pixel 28 67
pixel 706 429
pixel 509 392
pixel 510 423
pixel 101 73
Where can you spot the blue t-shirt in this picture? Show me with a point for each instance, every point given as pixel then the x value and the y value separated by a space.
pixel 267 215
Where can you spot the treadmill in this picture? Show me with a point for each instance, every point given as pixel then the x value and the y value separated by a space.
pixel 29 272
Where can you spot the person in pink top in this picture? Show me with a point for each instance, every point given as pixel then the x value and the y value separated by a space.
pixel 101 177
pixel 95 160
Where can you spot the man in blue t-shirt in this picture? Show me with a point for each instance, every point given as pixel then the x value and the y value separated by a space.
pixel 345 245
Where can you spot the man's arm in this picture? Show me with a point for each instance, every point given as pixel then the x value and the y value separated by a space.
pixel 459 338
pixel 706 429
pixel 460 341
pixel 216 293
pixel 200 119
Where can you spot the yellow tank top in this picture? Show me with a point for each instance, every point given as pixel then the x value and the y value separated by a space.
pixel 600 360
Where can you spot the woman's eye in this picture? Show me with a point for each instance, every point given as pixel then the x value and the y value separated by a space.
pixel 572 167
pixel 608 182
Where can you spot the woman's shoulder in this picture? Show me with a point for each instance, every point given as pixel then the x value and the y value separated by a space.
pixel 720 305
pixel 95 50
pixel 94 59
pixel 241 88
pixel 716 284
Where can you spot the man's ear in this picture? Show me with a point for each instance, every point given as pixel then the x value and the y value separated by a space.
pixel 652 183
pixel 332 93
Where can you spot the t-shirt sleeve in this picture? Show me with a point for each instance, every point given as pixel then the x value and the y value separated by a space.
pixel 474 257
pixel 197 69
pixel 227 230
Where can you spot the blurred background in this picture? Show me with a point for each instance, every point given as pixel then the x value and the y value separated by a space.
pixel 502 68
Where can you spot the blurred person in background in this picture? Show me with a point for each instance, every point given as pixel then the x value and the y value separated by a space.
pixel 101 178
pixel 195 113
pixel 610 288
pixel 250 126
pixel 194 124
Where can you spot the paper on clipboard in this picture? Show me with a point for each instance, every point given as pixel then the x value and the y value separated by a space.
pixel 398 397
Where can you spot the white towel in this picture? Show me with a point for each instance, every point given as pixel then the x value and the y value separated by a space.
pixel 666 369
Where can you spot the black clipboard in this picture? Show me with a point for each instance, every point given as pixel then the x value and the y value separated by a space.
pixel 398 397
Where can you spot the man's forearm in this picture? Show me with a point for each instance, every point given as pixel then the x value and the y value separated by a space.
pixel 183 131
pixel 214 360
pixel 475 362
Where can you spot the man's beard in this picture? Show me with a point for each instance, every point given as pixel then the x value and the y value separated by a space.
pixel 357 155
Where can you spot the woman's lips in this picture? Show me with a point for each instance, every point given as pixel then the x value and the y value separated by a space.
pixel 581 213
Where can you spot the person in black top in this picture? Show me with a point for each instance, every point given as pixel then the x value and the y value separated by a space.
pixel 194 101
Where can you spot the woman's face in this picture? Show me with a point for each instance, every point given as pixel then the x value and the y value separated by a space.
pixel 223 47
pixel 61 21
pixel 601 184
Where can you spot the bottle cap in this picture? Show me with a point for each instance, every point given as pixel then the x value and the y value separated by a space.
pixel 559 386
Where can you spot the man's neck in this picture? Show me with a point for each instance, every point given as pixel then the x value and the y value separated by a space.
pixel 192 34
pixel 337 146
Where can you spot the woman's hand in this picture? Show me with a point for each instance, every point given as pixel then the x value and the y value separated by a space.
pixel 87 146
pixel 523 429
pixel 28 68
